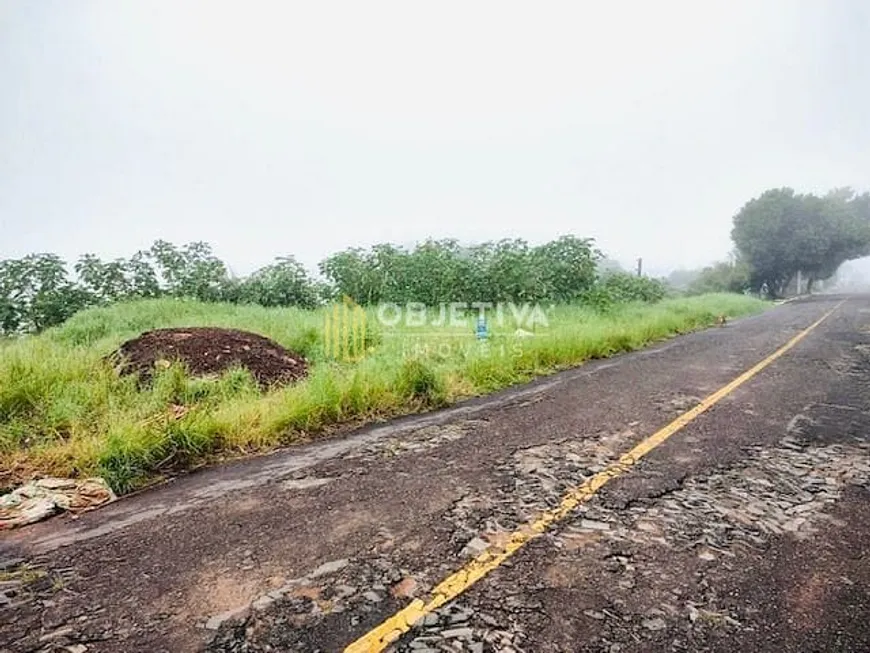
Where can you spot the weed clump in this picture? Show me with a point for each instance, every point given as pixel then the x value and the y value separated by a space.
pixel 419 382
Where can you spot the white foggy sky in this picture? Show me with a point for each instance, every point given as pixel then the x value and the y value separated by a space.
pixel 306 127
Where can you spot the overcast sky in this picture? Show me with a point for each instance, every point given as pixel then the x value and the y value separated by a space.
pixel 306 127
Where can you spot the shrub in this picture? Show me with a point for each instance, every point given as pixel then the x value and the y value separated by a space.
pixel 625 287
pixel 418 381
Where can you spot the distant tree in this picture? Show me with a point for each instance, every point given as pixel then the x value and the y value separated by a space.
pixel 781 233
pixel 190 271
pixel 568 266
pixel 436 271
pixel 390 267
pixel 104 282
pixel 841 233
pixel 682 279
pixel 509 271
pixel 283 283
pixel 121 279
pixel 36 293
pixel 607 265
pixel 141 276
pixel 725 276
pixel 354 273
pixel 627 287
pixel 13 289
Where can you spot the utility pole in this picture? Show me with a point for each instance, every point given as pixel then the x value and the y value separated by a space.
pixel 639 267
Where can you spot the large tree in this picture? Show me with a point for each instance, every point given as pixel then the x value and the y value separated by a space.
pixel 781 233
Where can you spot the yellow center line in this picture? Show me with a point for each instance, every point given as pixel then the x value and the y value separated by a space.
pixel 392 628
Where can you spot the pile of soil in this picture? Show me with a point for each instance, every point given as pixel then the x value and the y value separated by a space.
pixel 209 351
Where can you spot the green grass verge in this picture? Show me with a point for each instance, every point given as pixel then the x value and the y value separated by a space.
pixel 65 412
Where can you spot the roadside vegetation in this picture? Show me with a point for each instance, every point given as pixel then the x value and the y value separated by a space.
pixel 42 290
pixel 65 411
pixel 779 237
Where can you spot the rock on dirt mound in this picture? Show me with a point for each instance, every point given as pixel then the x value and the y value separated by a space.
pixel 208 350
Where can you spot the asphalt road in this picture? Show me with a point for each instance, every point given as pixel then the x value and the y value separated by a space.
pixel 748 528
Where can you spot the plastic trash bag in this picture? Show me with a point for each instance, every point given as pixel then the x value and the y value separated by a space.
pixel 37 500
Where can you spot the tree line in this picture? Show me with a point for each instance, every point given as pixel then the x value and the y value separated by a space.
pixel 777 236
pixel 42 290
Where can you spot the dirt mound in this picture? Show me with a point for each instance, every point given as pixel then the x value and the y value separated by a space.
pixel 207 350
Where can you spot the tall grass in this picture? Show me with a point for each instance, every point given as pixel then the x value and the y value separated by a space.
pixel 65 411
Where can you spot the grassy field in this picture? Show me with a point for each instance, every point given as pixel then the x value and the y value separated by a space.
pixel 64 411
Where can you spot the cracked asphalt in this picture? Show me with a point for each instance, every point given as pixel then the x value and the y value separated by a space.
pixel 748 529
